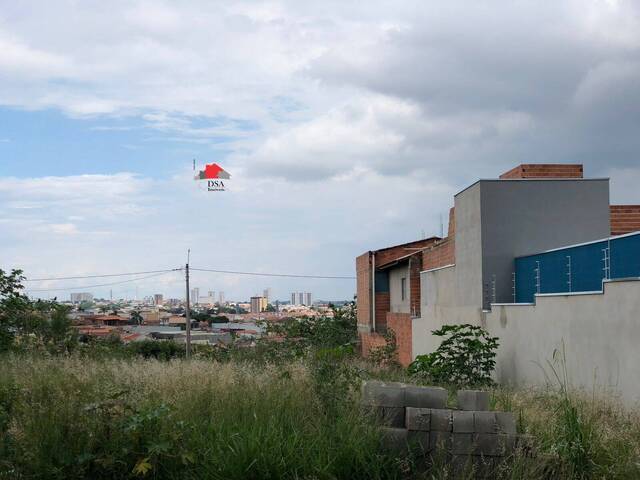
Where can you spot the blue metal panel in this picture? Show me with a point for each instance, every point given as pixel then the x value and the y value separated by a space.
pixel 382 282
pixel 587 267
pixel 625 257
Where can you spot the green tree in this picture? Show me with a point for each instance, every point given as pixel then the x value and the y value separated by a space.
pixel 14 306
pixel 465 357
pixel 136 317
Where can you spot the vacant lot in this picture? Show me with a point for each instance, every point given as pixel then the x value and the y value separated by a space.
pixel 85 418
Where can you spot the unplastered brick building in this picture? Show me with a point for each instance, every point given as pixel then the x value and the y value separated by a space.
pixel 499 232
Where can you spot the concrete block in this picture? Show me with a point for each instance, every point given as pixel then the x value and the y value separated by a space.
pixel 418 418
pixel 462 422
pixel 394 438
pixel 441 420
pixel 506 422
pixel 473 400
pixel 390 416
pixel 440 441
pixel 485 422
pixel 426 397
pixel 490 444
pixel 419 441
pixel 383 394
pixel 462 444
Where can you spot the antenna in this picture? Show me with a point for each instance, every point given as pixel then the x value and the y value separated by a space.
pixel 441 227
pixel 194 164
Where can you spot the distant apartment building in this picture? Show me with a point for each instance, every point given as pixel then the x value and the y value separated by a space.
pixel 266 293
pixel 539 258
pixel 208 300
pixel 301 298
pixel 195 295
pixel 81 297
pixel 221 299
pixel 258 304
pixel 158 299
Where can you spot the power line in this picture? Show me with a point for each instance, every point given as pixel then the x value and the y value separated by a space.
pixel 100 276
pixel 326 277
pixel 102 284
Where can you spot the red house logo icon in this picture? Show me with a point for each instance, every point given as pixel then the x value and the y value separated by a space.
pixel 212 171
pixel 214 174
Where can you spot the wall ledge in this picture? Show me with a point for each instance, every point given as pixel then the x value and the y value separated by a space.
pixel 438 268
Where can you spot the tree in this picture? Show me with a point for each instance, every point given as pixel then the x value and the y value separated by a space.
pixel 136 317
pixel 45 321
pixel 466 357
pixel 14 306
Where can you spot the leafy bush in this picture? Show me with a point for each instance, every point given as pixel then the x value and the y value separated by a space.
pixel 387 354
pixel 466 357
pixel 158 349
pixel 334 378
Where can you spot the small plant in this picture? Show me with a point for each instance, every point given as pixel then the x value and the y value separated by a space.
pixel 387 354
pixel 466 357
pixel 333 376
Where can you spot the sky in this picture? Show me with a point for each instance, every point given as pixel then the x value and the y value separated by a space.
pixel 345 126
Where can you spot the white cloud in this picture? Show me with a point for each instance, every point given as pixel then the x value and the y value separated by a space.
pixel 348 126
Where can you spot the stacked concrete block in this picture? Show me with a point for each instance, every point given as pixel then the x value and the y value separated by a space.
pixel 386 401
pixel 473 400
pixel 471 436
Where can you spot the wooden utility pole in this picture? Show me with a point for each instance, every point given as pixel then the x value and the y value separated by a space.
pixel 188 311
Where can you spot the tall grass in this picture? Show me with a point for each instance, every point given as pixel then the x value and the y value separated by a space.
pixel 73 417
pixel 68 418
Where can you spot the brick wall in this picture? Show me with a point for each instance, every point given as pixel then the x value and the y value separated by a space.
pixel 363 280
pixel 363 290
pixel 443 252
pixel 400 323
pixel 369 341
pixel 544 170
pixel 439 255
pixel 624 219
pixel 387 255
pixel 383 305
pixel 452 223
pixel 415 266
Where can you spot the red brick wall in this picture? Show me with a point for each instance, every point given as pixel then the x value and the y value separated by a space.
pixel 624 219
pixel 452 222
pixel 440 255
pixel 363 280
pixel 415 266
pixel 368 341
pixel 387 255
pixel 545 170
pixel 363 290
pixel 400 323
pixel 383 305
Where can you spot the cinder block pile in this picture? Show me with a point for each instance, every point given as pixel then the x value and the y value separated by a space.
pixel 418 417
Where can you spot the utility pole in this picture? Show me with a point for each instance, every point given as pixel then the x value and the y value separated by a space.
pixel 187 310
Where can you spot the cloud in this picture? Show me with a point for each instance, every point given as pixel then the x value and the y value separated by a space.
pixel 344 126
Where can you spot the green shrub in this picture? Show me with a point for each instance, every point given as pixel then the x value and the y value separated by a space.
pixel 466 357
pixel 387 354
